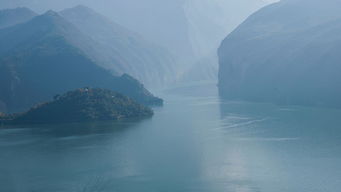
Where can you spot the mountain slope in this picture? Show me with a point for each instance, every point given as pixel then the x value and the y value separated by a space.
pixel 209 21
pixel 42 58
pixel 122 50
pixel 159 21
pixel 10 17
pixel 287 53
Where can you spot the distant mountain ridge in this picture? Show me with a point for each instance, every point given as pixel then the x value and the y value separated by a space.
pixel 191 30
pixel 288 52
pixel 11 17
pixel 40 28
pixel 46 56
pixel 122 50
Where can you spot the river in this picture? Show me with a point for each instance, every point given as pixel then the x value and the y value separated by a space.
pixel 196 142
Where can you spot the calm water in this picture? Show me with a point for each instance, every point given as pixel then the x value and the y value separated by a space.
pixel 195 143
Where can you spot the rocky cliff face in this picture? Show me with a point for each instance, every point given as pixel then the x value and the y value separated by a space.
pixel 287 52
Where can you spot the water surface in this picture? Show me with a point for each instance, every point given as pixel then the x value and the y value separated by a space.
pixel 196 142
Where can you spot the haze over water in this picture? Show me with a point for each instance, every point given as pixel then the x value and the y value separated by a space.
pixel 196 142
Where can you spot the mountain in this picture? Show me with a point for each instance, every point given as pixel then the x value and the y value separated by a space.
pixel 46 56
pixel 85 104
pixel 10 17
pixel 122 50
pixel 162 22
pixel 288 52
pixel 209 22
pixel 191 30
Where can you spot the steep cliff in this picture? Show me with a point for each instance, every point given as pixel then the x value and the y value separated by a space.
pixel 288 52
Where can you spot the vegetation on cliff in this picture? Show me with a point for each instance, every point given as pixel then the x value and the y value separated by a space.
pixel 85 104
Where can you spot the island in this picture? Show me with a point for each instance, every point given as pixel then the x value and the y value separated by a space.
pixel 84 104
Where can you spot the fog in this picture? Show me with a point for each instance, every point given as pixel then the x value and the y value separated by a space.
pixel 190 29
pixel 170 95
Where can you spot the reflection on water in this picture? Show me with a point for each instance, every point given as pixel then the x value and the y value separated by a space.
pixel 196 142
pixel 287 149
